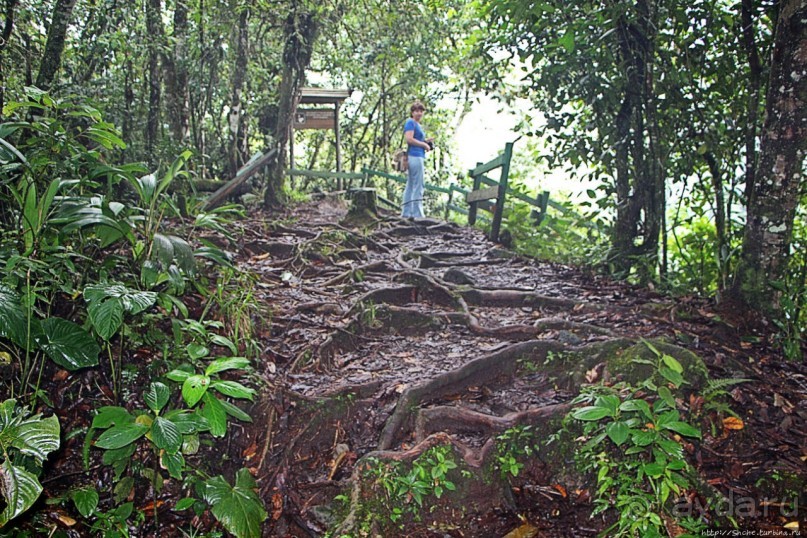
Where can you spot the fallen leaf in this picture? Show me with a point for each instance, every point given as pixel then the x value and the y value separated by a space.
pixel 524 531
pixel 733 423
pixel 277 506
pixel 60 375
pixel 65 520
pixel 793 525
pixel 695 403
pixel 560 489
pixel 250 451
pixel 260 257
pixel 149 507
pixel 780 401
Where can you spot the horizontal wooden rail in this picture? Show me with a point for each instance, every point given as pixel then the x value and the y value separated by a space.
pixel 325 175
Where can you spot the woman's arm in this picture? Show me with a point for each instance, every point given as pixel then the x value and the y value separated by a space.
pixel 412 141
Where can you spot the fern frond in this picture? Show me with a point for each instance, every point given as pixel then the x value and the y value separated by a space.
pixel 718 386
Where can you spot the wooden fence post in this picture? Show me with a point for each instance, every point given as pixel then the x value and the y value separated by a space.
pixel 499 210
pixel 472 208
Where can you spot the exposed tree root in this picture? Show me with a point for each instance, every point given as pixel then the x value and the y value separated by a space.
pixel 481 371
pixel 510 298
pixel 459 419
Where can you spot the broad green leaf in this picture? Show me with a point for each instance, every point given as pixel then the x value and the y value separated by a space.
pixel 188 422
pixel 178 375
pixel 590 413
pixel 163 249
pixel 67 344
pixel 36 437
pixel 12 317
pixel 215 255
pixel 123 488
pixel 234 411
pixel 609 401
pixel 197 351
pixel 30 220
pixel 618 432
pixel 672 363
pixel 644 438
pixel 651 347
pixel 223 341
pixel 191 444
pixel 653 470
pixel 215 414
pixel 156 396
pixel 109 415
pixel 166 435
pixel 227 363
pixel 119 457
pixel 677 465
pixel 106 316
pixel 684 429
pixel 106 138
pixel 233 389
pixel 9 414
pixel 666 396
pixel 637 405
pixel 194 388
pixel 173 463
pixel 138 301
pixel 237 508
pixel 672 376
pixel 86 501
pixel 666 418
pixel 19 488
pixel 11 150
pixel 183 254
pixel 184 504
pixel 98 292
pixel 671 447
pixel 122 435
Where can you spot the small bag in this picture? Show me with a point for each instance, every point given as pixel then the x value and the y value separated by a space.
pixel 400 160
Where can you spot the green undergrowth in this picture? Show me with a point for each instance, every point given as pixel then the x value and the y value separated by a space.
pixel 105 277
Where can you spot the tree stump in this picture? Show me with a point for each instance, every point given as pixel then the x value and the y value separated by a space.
pixel 363 206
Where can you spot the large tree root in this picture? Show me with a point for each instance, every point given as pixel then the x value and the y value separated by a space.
pixel 460 419
pixel 479 372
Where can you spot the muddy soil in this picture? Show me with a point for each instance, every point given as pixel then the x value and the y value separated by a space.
pixel 391 336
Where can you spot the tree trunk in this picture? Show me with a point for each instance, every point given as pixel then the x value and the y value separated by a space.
pixel 176 78
pixel 773 200
pixel 628 199
pixel 754 86
pixel 237 150
pixel 154 29
pixel 8 26
pixel 57 33
pixel 299 31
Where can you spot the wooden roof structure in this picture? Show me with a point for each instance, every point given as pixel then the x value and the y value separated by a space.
pixel 320 96
pixel 319 118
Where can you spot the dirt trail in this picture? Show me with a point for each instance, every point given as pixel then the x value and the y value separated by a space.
pixel 393 338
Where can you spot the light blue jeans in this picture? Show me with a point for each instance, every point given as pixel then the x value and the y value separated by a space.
pixel 413 194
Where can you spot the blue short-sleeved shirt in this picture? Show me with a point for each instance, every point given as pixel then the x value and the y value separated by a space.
pixel 415 151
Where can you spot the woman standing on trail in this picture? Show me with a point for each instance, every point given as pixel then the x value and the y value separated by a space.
pixel 417 146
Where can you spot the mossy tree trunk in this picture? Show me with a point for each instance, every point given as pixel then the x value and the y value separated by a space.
pixel 779 181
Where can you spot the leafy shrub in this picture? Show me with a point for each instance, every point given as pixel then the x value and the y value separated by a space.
pixel 632 442
pixel 25 442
